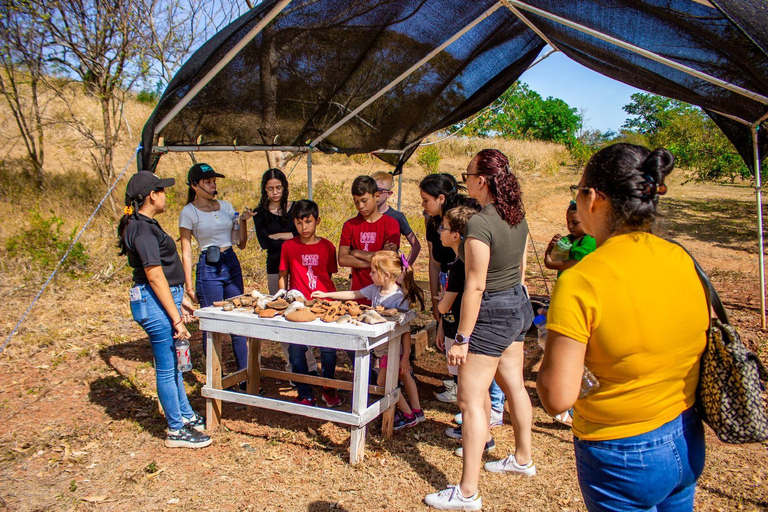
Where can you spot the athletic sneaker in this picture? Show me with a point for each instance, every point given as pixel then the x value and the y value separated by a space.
pixel 448 382
pixel 196 422
pixel 305 401
pixel 419 415
pixel 489 447
pixel 402 421
pixel 510 465
pixel 497 418
pixel 449 395
pixel 330 398
pixel 186 437
pixel 453 432
pixel 451 499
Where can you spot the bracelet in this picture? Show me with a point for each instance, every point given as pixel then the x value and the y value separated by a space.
pixel 181 320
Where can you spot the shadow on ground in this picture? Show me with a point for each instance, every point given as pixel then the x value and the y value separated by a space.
pixel 726 223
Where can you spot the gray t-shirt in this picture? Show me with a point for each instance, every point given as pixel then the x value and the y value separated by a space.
pixel 394 300
pixel 507 245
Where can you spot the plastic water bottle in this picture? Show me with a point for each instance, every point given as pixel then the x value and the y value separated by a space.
pixel 183 356
pixel 236 229
pixel 589 383
pixel 541 324
pixel 562 250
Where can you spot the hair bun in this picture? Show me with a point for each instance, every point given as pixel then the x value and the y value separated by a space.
pixel 658 164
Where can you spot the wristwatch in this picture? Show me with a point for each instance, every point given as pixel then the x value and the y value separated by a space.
pixel 461 339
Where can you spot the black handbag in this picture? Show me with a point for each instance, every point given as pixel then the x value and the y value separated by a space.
pixel 730 391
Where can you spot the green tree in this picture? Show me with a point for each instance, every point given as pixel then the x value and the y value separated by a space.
pixel 521 113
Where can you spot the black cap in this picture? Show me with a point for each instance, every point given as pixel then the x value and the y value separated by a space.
pixel 201 172
pixel 142 183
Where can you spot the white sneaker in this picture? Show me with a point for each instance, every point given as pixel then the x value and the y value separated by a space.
pixel 497 418
pixel 451 499
pixel 449 395
pixel 510 465
pixel 448 382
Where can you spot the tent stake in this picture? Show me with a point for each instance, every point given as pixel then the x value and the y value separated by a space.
pixel 309 175
pixel 759 194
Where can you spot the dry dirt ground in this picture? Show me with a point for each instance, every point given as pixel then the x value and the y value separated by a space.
pixel 81 427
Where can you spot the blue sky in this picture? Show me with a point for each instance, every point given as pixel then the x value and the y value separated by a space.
pixel 582 88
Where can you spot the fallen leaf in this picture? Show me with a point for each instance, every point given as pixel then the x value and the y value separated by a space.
pixel 153 475
pixel 311 431
pixel 173 501
pixel 206 465
pixel 94 499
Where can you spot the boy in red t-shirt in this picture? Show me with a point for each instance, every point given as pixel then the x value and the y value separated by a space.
pixel 364 235
pixel 306 264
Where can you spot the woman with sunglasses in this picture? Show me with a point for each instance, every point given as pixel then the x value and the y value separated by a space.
pixel 157 301
pixel 495 315
pixel 635 314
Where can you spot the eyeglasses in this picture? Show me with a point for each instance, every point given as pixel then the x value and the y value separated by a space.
pixel 442 228
pixel 575 190
pixel 274 189
pixel 465 174
pixel 384 190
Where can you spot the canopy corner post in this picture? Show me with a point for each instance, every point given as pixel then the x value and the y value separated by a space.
pixel 309 174
pixel 759 201
pixel 399 191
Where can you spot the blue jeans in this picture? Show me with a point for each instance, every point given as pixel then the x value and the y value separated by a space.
pixel 150 315
pixel 652 471
pixel 298 358
pixel 219 281
pixel 497 397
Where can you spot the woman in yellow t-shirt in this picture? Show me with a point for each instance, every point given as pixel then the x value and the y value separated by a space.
pixel 635 314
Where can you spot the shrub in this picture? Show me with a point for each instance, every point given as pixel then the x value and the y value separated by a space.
pixel 429 159
pixel 44 244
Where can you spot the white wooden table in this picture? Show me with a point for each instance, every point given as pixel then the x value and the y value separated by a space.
pixel 358 338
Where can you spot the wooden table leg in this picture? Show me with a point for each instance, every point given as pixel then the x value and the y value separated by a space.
pixel 213 379
pixel 359 404
pixel 393 366
pixel 254 368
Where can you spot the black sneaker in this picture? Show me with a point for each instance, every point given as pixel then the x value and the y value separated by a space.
pixel 197 422
pixel 186 437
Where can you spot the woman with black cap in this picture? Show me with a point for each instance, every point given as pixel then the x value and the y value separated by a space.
pixel 157 301
pixel 211 221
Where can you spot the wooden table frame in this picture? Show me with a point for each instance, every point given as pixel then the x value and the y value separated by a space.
pixel 358 338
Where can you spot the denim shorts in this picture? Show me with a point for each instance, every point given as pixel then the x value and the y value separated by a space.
pixel 655 470
pixel 505 316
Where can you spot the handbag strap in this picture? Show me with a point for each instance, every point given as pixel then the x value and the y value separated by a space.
pixel 713 299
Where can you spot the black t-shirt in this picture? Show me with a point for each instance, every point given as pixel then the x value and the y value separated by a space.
pixel 456 280
pixel 267 223
pixel 443 255
pixel 147 245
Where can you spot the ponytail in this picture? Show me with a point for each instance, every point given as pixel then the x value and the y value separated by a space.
pixel 130 212
pixel 398 267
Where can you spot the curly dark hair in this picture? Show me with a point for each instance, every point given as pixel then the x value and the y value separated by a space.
pixel 505 191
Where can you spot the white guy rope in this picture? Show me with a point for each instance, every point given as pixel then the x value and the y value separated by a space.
pixel 66 254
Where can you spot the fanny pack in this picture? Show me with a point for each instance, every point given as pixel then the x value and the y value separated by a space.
pixel 212 254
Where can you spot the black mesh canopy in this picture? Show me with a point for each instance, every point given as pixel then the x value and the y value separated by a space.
pixel 304 77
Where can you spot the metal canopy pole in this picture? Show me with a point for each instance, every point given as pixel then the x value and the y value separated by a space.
pixel 405 74
pixel 188 149
pixel 277 9
pixel 399 191
pixel 309 175
pixel 759 196
pixel 640 51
